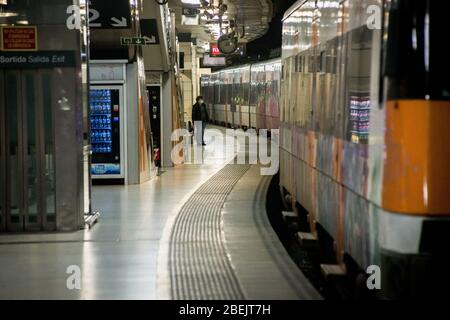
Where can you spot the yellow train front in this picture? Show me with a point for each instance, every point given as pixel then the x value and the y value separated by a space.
pixel 364 142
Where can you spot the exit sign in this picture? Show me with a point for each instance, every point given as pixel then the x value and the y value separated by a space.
pixel 23 38
pixel 139 41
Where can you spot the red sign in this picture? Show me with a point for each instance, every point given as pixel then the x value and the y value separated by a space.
pixel 19 38
pixel 215 50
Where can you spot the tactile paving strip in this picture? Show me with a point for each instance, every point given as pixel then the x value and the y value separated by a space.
pixel 200 268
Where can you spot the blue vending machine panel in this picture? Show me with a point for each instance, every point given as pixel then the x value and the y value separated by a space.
pixel 105 131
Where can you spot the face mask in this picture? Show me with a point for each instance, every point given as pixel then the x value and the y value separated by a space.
pixel 201 101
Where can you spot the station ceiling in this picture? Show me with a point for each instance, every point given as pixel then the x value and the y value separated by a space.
pixel 253 16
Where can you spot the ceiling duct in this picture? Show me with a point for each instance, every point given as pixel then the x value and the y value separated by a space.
pixel 252 17
pixel 248 18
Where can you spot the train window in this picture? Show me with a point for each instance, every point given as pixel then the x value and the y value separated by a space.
pixel 312 62
pixel 322 62
pixel 416 54
pixel 222 90
pixel 290 99
pixel 305 62
pixel 333 57
pixel 253 89
pixel 358 76
pixel 227 93
pixel 216 91
pixel 221 87
pixel 226 96
pixel 246 93
pixel 287 100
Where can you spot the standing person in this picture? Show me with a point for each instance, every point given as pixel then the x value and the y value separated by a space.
pixel 200 118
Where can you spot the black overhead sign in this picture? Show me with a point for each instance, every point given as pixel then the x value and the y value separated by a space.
pixel 110 14
pixel 149 30
pixel 38 59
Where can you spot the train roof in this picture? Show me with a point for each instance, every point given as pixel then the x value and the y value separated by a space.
pixel 249 65
pixel 293 8
pixel 259 63
pixel 241 66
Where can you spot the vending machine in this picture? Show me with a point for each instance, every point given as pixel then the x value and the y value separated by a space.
pixel 107 132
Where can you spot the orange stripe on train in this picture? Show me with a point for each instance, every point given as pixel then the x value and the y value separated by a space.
pixel 417 162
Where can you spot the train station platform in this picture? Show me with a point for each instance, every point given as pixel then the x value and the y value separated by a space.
pixel 222 246
pixel 199 231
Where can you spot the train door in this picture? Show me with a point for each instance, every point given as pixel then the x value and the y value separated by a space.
pixel 154 95
pixel 232 98
pixel 27 175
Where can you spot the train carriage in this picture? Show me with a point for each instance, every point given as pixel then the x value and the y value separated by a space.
pixel 207 91
pixel 364 153
pixel 246 96
pixel 362 108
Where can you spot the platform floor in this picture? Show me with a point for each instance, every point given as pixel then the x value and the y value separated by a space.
pixel 138 249
pixel 222 246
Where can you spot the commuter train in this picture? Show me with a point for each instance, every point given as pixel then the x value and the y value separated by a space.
pixel 364 112
pixel 364 151
pixel 244 97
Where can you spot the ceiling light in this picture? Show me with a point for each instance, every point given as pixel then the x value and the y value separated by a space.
pixel 191 2
pixel 6 14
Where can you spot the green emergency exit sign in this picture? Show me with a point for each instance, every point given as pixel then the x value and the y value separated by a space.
pixel 138 41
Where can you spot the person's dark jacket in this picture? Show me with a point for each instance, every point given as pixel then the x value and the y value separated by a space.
pixel 200 113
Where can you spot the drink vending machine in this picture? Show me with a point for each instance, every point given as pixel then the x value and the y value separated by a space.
pixel 107 132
